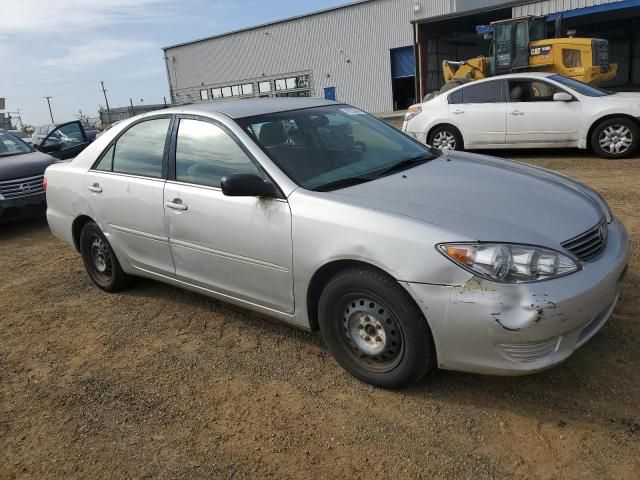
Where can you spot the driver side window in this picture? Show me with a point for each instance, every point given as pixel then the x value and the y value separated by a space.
pixel 531 91
pixel 65 137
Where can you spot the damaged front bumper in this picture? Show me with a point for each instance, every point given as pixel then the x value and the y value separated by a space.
pixel 512 329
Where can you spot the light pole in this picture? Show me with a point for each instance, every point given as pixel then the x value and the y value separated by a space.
pixel 50 112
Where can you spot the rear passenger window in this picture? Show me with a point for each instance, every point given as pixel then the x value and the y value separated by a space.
pixel 140 150
pixel 205 153
pixel 485 92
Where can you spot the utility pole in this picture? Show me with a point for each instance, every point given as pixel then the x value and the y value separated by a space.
pixel 106 101
pixel 50 112
pixel 133 113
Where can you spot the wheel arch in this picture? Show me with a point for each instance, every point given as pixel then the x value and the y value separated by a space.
pixel 609 116
pixel 76 228
pixel 445 124
pixel 322 276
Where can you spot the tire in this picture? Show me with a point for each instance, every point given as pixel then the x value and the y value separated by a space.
pixel 615 138
pixel 445 137
pixel 100 260
pixel 359 304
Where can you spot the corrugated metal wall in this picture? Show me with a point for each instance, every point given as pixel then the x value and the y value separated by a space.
pixel 552 6
pixel 348 48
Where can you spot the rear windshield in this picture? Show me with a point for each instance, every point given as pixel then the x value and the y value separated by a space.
pixel 11 145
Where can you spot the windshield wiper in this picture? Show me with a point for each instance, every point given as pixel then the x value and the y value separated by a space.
pixel 342 183
pixel 403 165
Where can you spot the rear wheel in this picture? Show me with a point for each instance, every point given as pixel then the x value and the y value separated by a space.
pixel 100 260
pixel 374 329
pixel 445 137
pixel 615 138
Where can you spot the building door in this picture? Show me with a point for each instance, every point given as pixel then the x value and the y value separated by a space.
pixel 330 93
pixel 403 77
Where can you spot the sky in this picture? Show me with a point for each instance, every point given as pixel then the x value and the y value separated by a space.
pixel 64 48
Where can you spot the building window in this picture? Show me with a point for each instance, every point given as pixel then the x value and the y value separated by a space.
pixel 204 95
pixel 264 87
pixel 235 90
pixel 216 93
pixel 226 92
pixel 303 81
pixel 281 84
pixel 291 83
pixel 247 89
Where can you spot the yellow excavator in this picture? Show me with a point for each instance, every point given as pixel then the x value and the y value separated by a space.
pixel 521 44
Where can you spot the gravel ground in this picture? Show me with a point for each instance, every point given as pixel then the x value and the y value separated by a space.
pixel 160 383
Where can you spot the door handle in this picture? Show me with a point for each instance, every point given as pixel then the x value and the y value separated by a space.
pixel 517 112
pixel 176 204
pixel 458 112
pixel 96 188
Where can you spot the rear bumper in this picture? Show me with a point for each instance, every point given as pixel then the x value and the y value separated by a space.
pixel 487 327
pixel 22 207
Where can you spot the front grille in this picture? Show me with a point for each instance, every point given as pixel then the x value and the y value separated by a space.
pixel 528 352
pixel 589 244
pixel 22 187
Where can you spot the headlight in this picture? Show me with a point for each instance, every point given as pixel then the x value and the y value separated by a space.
pixel 508 263
pixel 412 111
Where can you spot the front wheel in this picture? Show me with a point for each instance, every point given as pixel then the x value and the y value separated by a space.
pixel 100 260
pixel 615 138
pixel 445 137
pixel 374 329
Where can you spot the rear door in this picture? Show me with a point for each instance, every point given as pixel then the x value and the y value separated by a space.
pixel 65 141
pixel 533 117
pixel 479 111
pixel 125 190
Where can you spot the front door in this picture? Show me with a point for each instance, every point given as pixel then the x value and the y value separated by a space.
pixel 125 191
pixel 236 246
pixel 479 112
pixel 65 141
pixel 533 117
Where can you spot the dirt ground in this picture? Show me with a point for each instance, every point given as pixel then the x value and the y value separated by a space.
pixel 160 383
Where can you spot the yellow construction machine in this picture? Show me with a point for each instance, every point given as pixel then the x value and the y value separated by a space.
pixel 521 44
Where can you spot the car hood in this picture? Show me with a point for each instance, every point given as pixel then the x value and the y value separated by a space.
pixel 485 199
pixel 622 97
pixel 25 165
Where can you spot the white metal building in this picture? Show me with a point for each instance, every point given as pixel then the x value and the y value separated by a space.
pixel 379 55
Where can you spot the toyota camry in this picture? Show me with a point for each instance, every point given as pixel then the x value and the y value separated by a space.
pixel 404 257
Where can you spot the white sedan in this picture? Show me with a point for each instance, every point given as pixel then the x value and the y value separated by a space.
pixel 529 110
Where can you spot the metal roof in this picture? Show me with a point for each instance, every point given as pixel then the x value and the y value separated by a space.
pixel 268 24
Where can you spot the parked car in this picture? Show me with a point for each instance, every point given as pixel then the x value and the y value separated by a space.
pixel 21 177
pixel 89 132
pixel 529 110
pixel 40 133
pixel 315 213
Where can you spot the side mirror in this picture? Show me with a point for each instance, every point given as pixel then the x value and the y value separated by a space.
pixel 247 185
pixel 562 97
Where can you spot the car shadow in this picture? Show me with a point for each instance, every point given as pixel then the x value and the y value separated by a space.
pixel 12 228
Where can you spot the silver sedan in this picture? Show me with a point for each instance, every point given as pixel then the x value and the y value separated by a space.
pixel 405 258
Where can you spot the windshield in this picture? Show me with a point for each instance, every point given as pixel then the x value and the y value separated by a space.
pixel 581 88
pixel 337 145
pixel 11 145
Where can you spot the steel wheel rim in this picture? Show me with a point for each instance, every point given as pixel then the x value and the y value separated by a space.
pixel 616 139
pixel 371 333
pixel 100 258
pixel 444 140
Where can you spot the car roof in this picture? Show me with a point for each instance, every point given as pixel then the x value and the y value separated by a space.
pixel 240 108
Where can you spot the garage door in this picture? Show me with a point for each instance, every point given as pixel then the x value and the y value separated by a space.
pixel 403 62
